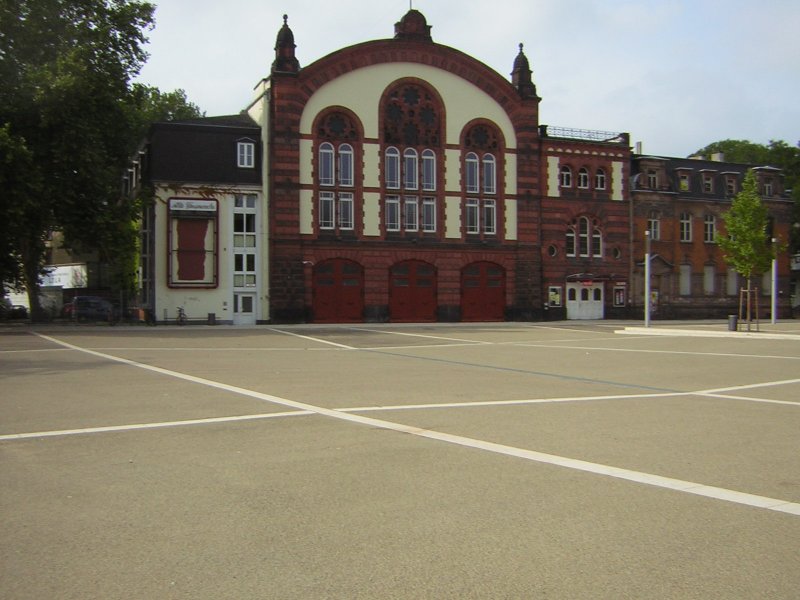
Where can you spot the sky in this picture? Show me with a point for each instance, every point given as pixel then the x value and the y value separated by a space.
pixel 675 74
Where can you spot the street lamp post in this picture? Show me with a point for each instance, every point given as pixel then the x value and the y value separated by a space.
pixel 647 278
pixel 774 303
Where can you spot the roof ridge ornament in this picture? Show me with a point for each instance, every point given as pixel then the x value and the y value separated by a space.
pixel 285 60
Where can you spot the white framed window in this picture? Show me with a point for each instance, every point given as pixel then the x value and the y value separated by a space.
pixel 429 215
pixel 708 183
pixel 392 219
pixel 570 249
pixel 245 240
pixel 730 185
pixel 245 155
pixel 652 179
pixel 489 217
pixel 346 165
pixel 685 227
pixel 600 179
pixel 471 176
pixel 583 236
pixel 428 171
pixel 472 221
pixel 392 174
pixel 654 225
pixel 346 210
pixel 489 174
pixel 597 243
pixel 683 182
pixel 410 166
pixel 411 213
pixel 327 201
pixel 583 178
pixel 709 229
pixel 565 177
pixel 326 161
pixel 768 187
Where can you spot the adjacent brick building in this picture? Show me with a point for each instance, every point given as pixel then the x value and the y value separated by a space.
pixel 396 180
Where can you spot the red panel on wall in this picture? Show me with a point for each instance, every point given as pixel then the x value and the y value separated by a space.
pixel 338 292
pixel 191 248
pixel 483 292
pixel 412 292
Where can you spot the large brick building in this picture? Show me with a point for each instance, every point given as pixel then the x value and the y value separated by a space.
pixel 392 180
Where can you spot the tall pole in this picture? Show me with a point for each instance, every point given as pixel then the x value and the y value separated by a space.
pixel 774 304
pixel 647 278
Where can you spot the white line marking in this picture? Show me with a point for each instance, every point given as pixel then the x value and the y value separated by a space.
pixel 313 339
pixel 570 463
pixel 749 386
pixel 641 351
pixel 432 337
pixel 135 426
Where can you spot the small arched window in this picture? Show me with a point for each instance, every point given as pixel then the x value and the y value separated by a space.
pixel 428 170
pixel 471 178
pixel 326 164
pixel 583 178
pixel 346 165
pixel 392 174
pixel 565 176
pixel 600 179
pixel 489 174
pixel 410 166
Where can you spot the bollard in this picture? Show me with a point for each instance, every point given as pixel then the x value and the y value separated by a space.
pixel 212 318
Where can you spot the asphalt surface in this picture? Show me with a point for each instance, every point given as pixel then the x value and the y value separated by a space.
pixel 508 460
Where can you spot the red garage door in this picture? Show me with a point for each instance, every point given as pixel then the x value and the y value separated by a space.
pixel 412 292
pixel 338 292
pixel 483 292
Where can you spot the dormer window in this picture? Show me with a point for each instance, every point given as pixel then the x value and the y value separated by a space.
pixel 245 154
pixel 768 189
pixel 708 183
pixel 652 180
pixel 683 181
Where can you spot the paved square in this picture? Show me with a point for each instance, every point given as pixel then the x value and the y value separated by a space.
pixel 508 460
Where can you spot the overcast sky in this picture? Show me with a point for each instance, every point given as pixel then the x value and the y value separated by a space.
pixel 675 74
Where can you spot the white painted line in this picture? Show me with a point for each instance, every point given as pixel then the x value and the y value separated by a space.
pixel 420 335
pixel 313 339
pixel 751 399
pixel 570 463
pixel 645 351
pixel 135 426
pixel 703 333
pixel 749 386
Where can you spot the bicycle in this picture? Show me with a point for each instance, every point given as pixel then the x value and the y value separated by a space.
pixel 181 319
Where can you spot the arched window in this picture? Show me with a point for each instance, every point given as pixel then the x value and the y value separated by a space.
pixel 489 174
pixel 471 176
pixel 583 178
pixel 584 239
pixel 411 129
pixel 346 165
pixel 600 179
pixel 338 134
pixel 326 160
pixel 565 177
pixel 392 172
pixel 428 170
pixel 410 169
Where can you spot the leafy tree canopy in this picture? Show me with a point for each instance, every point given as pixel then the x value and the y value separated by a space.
pixel 69 119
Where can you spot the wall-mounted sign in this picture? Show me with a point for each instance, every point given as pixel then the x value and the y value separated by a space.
pixel 193 205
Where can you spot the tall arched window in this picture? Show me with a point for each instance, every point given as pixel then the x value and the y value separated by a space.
pixel 483 146
pixel 583 178
pixel 584 239
pixel 411 123
pixel 335 174
pixel 600 179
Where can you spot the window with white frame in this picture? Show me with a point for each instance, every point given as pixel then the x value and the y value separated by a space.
pixel 583 178
pixel 709 229
pixel 392 168
pixel 245 154
pixel 708 183
pixel 565 177
pixel 428 170
pixel 654 225
pixel 652 179
pixel 685 234
pixel 584 239
pixel 600 179
pixel 245 241
pixel 730 185
pixel 429 215
pixel 335 173
pixel 683 182
pixel 480 184
pixel 489 174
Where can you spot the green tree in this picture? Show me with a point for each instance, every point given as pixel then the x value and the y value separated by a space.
pixel 747 247
pixel 70 118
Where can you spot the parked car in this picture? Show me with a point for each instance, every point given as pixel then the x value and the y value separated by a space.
pixel 19 312
pixel 92 308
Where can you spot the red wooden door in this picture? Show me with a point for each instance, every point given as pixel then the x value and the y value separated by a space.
pixel 412 292
pixel 338 292
pixel 483 292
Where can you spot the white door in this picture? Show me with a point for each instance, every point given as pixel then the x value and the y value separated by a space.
pixel 584 301
pixel 244 308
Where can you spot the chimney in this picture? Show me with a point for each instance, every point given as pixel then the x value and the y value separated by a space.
pixel 638 148
pixel 718 157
